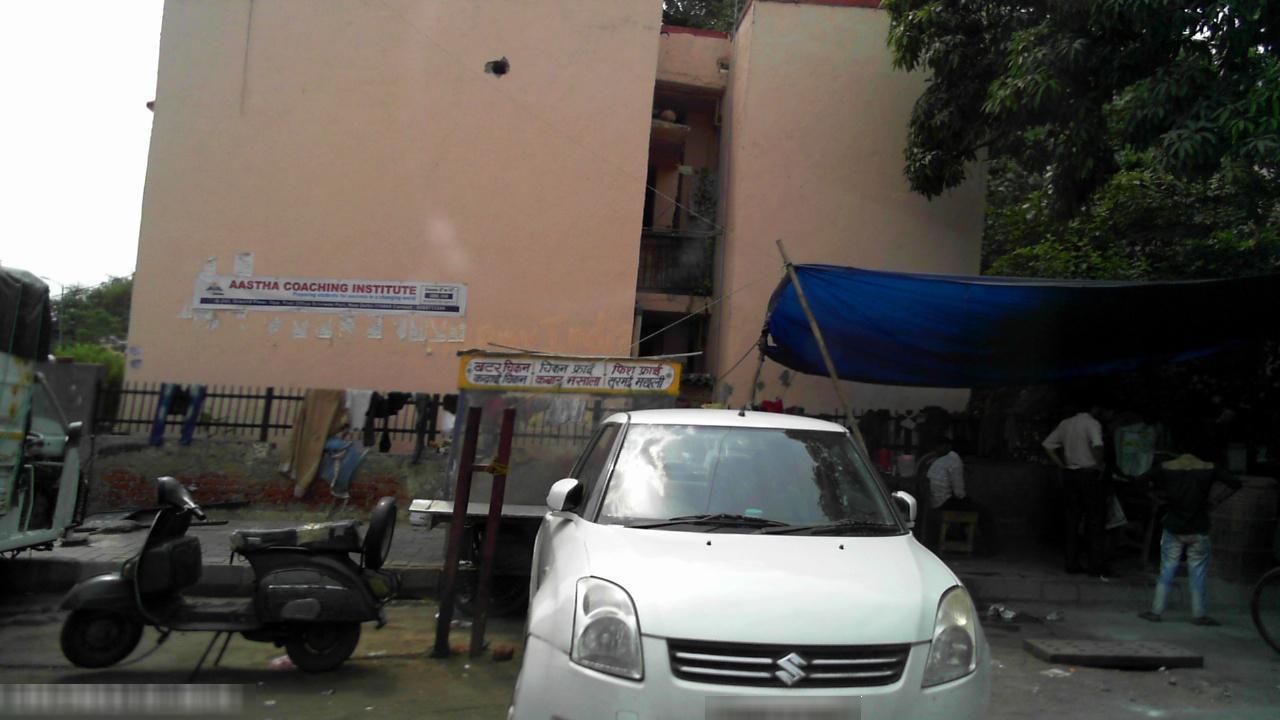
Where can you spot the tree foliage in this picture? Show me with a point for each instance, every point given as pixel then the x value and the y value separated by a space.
pixel 709 14
pixel 1143 223
pixel 1065 88
pixel 93 315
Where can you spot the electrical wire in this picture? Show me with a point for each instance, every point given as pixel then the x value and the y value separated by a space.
pixel 734 366
pixel 705 308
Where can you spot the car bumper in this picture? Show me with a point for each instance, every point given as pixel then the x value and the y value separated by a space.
pixel 550 686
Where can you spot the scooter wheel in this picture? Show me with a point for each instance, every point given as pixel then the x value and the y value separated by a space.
pixel 319 647
pixel 99 638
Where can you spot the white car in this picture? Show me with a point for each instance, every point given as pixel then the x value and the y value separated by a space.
pixel 719 564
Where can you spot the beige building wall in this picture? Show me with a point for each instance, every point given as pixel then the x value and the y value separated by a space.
pixel 817 122
pixel 693 57
pixel 336 139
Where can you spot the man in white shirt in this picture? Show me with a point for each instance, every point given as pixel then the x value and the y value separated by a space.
pixel 946 476
pixel 947 492
pixel 1075 446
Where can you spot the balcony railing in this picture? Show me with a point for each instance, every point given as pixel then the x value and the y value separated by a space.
pixel 676 262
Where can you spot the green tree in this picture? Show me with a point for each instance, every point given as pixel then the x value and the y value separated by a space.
pixel 93 315
pixel 1143 223
pixel 709 14
pixel 1065 88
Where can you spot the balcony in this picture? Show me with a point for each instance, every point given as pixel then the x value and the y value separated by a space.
pixel 677 262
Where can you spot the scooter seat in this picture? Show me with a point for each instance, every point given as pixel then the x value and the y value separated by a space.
pixel 343 536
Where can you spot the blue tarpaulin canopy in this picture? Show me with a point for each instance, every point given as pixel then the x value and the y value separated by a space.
pixel 957 331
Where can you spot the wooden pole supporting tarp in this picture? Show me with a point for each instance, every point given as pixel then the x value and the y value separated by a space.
pixel 850 421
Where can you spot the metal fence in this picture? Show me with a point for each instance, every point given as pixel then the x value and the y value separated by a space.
pixel 241 411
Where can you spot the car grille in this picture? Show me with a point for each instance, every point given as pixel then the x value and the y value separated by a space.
pixel 799 666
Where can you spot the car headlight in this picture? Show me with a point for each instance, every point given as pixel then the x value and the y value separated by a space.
pixel 953 653
pixel 606 633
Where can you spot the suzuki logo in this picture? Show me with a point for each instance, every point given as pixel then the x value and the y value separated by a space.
pixel 791 672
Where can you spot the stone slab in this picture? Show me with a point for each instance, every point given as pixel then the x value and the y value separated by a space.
pixel 1127 654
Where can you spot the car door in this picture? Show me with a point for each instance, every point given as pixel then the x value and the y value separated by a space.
pixel 559 556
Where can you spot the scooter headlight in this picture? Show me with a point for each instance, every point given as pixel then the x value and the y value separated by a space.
pixel 954 650
pixel 606 632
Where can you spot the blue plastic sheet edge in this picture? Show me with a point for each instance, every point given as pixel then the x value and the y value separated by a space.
pixel 959 331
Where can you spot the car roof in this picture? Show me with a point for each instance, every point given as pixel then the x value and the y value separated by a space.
pixel 725 418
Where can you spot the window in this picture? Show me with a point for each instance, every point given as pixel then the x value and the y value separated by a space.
pixel 797 477
pixel 592 464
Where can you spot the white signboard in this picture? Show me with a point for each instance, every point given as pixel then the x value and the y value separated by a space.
pixel 284 294
pixel 568 374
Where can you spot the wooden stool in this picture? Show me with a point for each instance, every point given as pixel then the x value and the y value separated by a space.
pixel 968 521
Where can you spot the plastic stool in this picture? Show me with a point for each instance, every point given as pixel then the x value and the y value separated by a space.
pixel 967 521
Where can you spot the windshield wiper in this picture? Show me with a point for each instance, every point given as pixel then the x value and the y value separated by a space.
pixel 833 528
pixel 715 519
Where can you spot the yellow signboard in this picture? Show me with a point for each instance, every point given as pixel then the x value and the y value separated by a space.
pixel 566 374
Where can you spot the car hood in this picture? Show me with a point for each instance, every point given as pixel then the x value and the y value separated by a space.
pixel 772 589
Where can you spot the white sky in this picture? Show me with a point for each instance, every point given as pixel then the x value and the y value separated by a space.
pixel 74 130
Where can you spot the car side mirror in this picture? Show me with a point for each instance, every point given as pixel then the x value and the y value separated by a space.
pixel 73 432
pixel 565 495
pixel 906 505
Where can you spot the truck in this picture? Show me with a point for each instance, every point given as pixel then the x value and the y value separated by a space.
pixel 40 475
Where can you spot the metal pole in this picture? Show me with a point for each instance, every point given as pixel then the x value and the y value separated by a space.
pixel 822 344
pixel 425 406
pixel 461 497
pixel 264 428
pixel 483 587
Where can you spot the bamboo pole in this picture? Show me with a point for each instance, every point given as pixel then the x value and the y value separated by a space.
pixel 822 345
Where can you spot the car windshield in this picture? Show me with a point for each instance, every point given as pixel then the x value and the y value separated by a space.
pixel 797 477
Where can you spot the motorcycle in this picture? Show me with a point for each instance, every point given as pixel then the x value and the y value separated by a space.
pixel 308 596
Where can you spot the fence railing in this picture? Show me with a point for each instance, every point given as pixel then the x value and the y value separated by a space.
pixel 676 262
pixel 267 413
pixel 246 412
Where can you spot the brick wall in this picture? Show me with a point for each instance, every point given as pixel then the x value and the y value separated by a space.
pixel 122 475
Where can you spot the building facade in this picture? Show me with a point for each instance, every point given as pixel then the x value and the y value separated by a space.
pixel 346 194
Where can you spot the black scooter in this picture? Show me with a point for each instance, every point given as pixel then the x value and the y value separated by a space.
pixel 308 594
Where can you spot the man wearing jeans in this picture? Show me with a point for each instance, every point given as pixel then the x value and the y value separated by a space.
pixel 1184 482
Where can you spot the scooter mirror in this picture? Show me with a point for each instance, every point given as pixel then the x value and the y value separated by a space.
pixel 171 492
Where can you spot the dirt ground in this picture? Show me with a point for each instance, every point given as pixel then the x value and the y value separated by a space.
pixel 391 677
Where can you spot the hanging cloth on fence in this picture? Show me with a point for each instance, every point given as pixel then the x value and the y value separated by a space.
pixel 358 408
pixel 341 460
pixel 177 400
pixel 383 407
pixel 320 417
